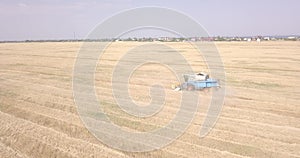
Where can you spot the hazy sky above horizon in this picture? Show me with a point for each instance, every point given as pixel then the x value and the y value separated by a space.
pixel 57 19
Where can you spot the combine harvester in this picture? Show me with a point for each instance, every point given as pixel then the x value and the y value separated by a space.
pixel 200 81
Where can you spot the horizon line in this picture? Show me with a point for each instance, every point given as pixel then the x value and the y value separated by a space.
pixel 109 39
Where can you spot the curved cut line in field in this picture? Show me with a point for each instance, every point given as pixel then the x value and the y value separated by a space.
pixel 195 136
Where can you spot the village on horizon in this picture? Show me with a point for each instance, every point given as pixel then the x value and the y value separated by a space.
pixel 172 39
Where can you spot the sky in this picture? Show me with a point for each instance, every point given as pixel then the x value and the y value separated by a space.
pixel 58 19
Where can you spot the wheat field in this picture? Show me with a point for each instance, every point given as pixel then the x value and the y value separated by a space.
pixel 260 116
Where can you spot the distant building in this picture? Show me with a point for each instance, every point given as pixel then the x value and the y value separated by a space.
pixel 291 38
pixel 193 39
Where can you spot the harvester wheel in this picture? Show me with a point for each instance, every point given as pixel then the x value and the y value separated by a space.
pixel 190 88
pixel 206 90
